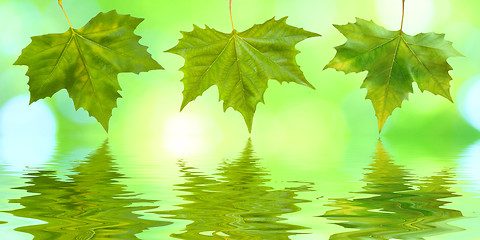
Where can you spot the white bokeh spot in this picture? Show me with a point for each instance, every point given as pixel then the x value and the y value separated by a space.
pixel 471 166
pixel 186 135
pixel 469 105
pixel 27 134
pixel 418 15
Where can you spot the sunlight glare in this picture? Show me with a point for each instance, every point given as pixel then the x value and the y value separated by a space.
pixel 27 134
pixel 189 135
pixel 471 104
pixel 471 164
pixel 418 15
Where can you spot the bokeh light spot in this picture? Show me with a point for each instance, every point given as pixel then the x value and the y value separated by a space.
pixel 470 104
pixel 418 15
pixel 189 135
pixel 471 164
pixel 27 134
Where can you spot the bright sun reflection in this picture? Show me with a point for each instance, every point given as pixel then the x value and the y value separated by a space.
pixel 189 135
pixel 470 108
pixel 418 15
pixel 27 134
pixel 471 164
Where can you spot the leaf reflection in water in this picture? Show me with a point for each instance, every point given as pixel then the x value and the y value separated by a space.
pixel 92 205
pixel 402 207
pixel 237 204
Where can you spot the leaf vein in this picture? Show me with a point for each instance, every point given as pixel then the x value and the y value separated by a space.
pixel 425 66
pixel 77 44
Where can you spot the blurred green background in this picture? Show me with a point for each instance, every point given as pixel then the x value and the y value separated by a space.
pixel 327 136
pixel 295 119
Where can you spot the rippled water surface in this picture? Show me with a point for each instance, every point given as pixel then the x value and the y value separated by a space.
pixel 374 190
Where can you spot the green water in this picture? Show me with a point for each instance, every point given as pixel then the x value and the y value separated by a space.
pixel 235 202
pixel 91 204
pixel 102 195
pixel 400 206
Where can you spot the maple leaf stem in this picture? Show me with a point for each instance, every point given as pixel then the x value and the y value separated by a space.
pixel 403 16
pixel 231 17
pixel 68 20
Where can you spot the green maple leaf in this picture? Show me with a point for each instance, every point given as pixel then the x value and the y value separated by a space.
pixel 86 62
pixel 240 63
pixel 394 60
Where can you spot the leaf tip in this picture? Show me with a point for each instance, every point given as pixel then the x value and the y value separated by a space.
pixel 248 117
pixel 457 53
pixel 283 19
pixel 105 125
pixel 381 124
pixel 184 104
pixel 156 66
pixel 314 34
pixel 171 50
pixel 326 67
pixel 309 85
pixel 17 62
pixel 196 27
pixel 249 126
pixel 450 98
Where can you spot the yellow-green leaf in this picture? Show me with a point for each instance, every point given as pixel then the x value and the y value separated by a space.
pixel 394 60
pixel 86 62
pixel 240 63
